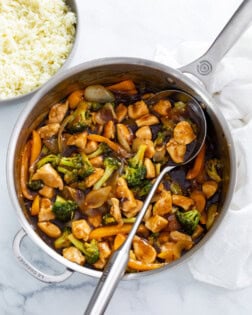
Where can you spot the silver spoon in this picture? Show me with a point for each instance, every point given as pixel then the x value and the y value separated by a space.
pixel 117 263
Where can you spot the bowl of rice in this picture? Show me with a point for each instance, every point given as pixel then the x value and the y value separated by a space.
pixel 37 39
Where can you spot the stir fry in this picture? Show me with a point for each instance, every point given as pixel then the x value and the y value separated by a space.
pixel 88 166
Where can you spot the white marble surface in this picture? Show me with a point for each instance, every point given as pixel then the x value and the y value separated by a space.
pixel 117 28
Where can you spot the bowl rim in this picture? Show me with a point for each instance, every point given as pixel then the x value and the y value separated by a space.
pixel 84 67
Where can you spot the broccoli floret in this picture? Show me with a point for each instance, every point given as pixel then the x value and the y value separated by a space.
pixel 81 119
pixel 74 161
pixel 75 168
pixel 176 188
pixel 111 164
pixel 160 139
pixel 64 209
pixel 212 168
pixel 108 219
pixel 90 250
pixel 143 189
pixel 189 219
pixel 70 175
pixel 87 168
pixel 103 148
pixel 35 185
pixel 51 158
pixel 135 171
pixel 95 106
pixel 63 241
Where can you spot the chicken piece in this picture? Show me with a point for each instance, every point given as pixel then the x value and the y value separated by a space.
pixel 170 252
pixel 184 202
pixel 45 211
pixel 50 229
pixel 183 133
pixel 177 236
pixel 130 212
pixel 115 211
pixel 95 220
pixel 144 251
pixel 97 161
pixel 91 146
pixel 49 130
pixel 57 113
pixel 156 223
pixel 121 112
pixel 124 136
pixel 74 255
pixel 147 120
pixel 150 150
pixel 150 168
pixel 148 213
pixel 137 110
pixel 94 177
pixel 163 204
pixel 79 140
pixel 47 192
pixel 109 130
pixel 163 237
pixel 123 192
pixel 105 252
pixel 81 229
pixel 49 176
pixel 162 107
pixel 209 188
pixel 144 133
pixel 176 151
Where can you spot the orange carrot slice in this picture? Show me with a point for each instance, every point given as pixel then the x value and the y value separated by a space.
pixel 198 164
pixel 126 86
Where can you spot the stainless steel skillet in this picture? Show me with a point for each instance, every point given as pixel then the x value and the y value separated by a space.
pixel 154 75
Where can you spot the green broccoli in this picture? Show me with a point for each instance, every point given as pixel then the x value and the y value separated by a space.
pixel 90 250
pixel 189 219
pixel 35 185
pixel 103 148
pixel 160 139
pixel 212 168
pixel 180 106
pixel 75 168
pixel 143 189
pixel 95 106
pixel 64 209
pixel 135 171
pixel 176 188
pixel 51 158
pixel 111 164
pixel 80 119
pixel 108 219
pixel 63 241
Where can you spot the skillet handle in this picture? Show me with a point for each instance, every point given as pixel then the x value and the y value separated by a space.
pixel 29 267
pixel 206 64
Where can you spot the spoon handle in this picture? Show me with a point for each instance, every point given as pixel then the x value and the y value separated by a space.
pixel 238 23
pixel 116 265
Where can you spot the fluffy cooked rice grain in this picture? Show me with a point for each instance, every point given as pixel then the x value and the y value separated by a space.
pixel 36 36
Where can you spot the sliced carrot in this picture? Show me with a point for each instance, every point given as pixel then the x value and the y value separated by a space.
pixel 140 266
pixel 74 98
pixel 118 241
pixel 25 155
pixel 114 146
pixel 198 164
pixel 126 86
pixel 199 200
pixel 111 230
pixel 35 147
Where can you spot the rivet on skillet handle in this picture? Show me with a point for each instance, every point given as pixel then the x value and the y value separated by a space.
pixel 206 64
pixel 32 270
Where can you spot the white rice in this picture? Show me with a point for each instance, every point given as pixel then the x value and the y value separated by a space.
pixel 36 36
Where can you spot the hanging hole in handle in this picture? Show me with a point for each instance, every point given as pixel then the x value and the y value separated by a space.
pixel 28 266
